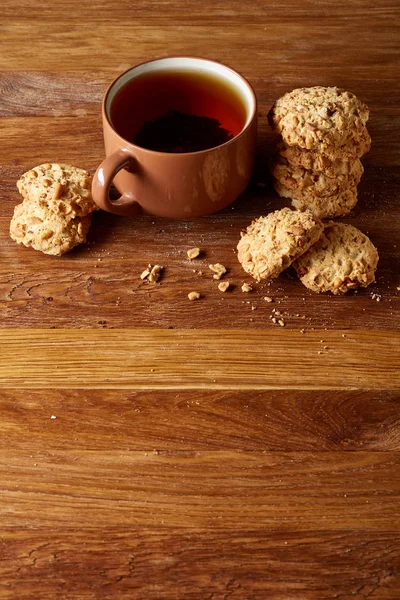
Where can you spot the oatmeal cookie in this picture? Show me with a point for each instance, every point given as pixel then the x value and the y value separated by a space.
pixel 60 188
pixel 319 118
pixel 332 164
pixel 272 243
pixel 323 207
pixel 316 183
pixel 50 233
pixel 342 259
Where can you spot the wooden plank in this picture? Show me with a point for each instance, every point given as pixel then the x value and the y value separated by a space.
pixel 62 142
pixel 233 12
pixel 206 359
pixel 194 420
pixel 221 489
pixel 109 44
pixel 171 563
pixel 99 286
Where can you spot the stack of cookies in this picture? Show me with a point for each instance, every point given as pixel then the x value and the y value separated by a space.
pixel 323 134
pixel 55 214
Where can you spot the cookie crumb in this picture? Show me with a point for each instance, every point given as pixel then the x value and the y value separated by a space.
pixel 281 323
pixel 145 274
pixel 53 417
pixel 223 286
pixel 193 253
pixel 268 299
pixel 155 273
pixel 193 295
pixel 218 269
pixel 246 288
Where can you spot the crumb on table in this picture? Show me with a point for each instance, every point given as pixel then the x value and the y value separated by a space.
pixel 223 286
pixel 218 269
pixel 193 295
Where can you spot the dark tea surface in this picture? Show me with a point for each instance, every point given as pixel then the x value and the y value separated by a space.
pixel 180 132
pixel 178 111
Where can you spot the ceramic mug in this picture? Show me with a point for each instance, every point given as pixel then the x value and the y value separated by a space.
pixel 176 185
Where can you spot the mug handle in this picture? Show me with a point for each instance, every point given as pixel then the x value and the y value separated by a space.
pixel 125 205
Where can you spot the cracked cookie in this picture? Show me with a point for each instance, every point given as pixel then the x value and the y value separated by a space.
pixel 270 244
pixel 342 259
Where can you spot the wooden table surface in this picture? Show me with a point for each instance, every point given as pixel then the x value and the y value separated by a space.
pixel 152 447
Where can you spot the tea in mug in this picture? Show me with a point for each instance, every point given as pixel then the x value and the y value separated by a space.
pixel 178 111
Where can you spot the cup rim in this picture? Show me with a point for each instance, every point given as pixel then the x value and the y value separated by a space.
pixel 253 112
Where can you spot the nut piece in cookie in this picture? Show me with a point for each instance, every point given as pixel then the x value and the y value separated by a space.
pixel 272 243
pixel 342 259
pixel 319 118
pixel 47 232
pixel 63 189
pixel 336 205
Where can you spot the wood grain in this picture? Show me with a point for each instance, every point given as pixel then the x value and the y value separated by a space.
pixel 199 451
pixel 195 420
pixel 172 563
pixel 270 42
pixel 82 488
pixel 184 359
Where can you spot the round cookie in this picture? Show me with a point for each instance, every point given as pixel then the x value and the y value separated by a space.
pixel 316 183
pixel 270 244
pixel 342 259
pixel 333 165
pixel 50 233
pixel 319 118
pixel 62 188
pixel 327 207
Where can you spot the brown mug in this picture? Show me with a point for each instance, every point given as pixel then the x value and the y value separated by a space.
pixel 175 184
